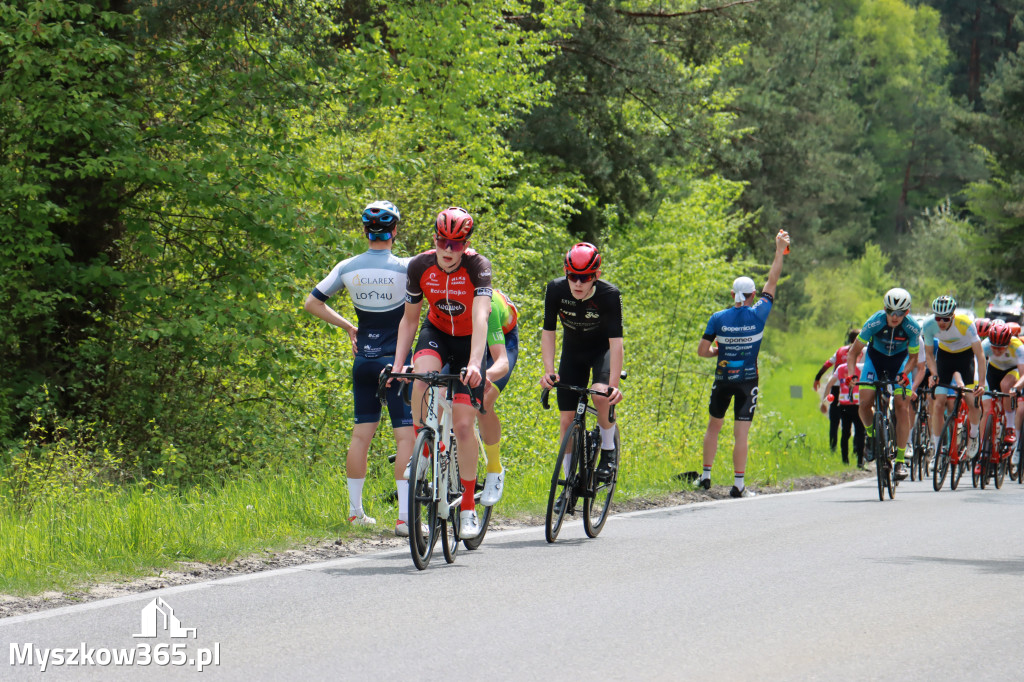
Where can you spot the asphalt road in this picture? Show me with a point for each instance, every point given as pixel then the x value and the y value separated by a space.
pixel 828 584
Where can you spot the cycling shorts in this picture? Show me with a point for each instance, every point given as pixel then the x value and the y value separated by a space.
pixel 512 351
pixel 995 377
pixel 452 351
pixel 365 374
pixel 742 393
pixel 879 367
pixel 577 369
pixel 946 363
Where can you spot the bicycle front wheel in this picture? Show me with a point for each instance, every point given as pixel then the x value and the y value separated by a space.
pixel 958 446
pixel 980 471
pixel 881 448
pixel 422 505
pixel 563 481
pixel 940 465
pixel 596 508
pixel 922 441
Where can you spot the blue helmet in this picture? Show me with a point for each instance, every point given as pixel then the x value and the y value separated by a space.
pixel 380 217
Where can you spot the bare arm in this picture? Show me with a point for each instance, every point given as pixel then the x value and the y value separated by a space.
pixel 318 308
pixel 851 357
pixel 617 359
pixel 547 355
pixel 500 357
pixel 781 244
pixel 706 350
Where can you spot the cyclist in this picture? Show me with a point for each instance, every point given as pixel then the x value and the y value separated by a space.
pixel 375 280
pixel 590 310
pixel 848 407
pixel 1005 354
pixel 456 282
pixel 503 351
pixel 956 336
pixel 892 338
pixel 838 358
pixel 739 330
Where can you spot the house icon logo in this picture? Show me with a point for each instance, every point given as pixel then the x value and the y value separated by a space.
pixel 158 616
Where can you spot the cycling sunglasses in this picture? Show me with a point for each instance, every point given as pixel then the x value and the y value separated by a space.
pixel 896 313
pixel 583 279
pixel 943 318
pixel 379 236
pixel 450 244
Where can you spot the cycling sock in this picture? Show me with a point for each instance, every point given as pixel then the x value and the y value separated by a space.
pixel 974 430
pixel 738 479
pixel 706 476
pixel 870 430
pixel 355 496
pixel 403 498
pixel 900 452
pixel 468 503
pixel 493 457
pixel 935 443
pixel 607 438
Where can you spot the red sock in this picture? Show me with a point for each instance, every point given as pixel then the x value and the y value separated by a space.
pixel 469 486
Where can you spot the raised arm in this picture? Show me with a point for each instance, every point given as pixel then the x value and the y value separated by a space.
pixel 781 244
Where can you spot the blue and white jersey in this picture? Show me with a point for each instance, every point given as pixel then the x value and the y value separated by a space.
pixel 878 335
pixel 376 281
pixel 739 331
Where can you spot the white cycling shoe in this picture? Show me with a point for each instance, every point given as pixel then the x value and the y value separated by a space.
pixel 469 526
pixel 494 485
pixel 402 529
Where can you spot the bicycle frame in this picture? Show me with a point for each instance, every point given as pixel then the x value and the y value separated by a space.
pixel 885 436
pixel 951 439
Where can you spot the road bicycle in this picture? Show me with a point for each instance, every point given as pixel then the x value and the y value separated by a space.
pixel 577 478
pixel 995 451
pixel 922 438
pixel 950 455
pixel 435 487
pixel 884 440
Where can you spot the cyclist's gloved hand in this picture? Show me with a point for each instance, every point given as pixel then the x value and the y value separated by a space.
pixel 903 380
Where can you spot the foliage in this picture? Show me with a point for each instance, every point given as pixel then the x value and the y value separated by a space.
pixel 845 295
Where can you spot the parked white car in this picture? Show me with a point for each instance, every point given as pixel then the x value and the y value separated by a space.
pixel 1005 307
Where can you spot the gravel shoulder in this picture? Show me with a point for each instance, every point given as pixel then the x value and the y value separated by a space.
pixel 193 572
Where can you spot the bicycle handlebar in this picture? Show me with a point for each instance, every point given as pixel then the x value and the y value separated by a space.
pixel 430 378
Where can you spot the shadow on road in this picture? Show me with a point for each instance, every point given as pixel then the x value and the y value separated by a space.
pixel 995 566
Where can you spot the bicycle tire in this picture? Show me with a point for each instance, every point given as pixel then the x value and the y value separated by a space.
pixel 562 483
pixel 922 441
pixel 890 451
pixel 450 526
pixel 980 472
pixel 421 502
pixel 596 508
pixel 940 467
pixel 958 470
pixel 1001 457
pixel 1020 464
pixel 483 514
pixel 881 454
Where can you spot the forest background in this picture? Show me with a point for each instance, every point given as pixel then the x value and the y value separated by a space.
pixel 176 175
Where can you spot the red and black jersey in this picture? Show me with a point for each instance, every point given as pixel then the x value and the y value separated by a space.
pixel 449 294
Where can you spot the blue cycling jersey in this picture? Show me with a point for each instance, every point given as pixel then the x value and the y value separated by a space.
pixel 876 333
pixel 739 331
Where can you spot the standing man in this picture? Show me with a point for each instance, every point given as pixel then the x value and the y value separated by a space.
pixel 837 360
pixel 893 339
pixel 739 330
pixel 375 280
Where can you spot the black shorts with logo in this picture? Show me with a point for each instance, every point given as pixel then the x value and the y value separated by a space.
pixel 453 351
pixel 742 393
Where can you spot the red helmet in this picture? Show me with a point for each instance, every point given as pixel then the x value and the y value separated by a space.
pixel 583 259
pixel 999 334
pixel 454 223
pixel 983 324
pixel 1014 328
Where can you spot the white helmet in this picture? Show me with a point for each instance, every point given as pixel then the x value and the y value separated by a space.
pixel 944 305
pixel 896 299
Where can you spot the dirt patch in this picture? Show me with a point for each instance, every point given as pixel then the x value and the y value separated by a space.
pixel 192 572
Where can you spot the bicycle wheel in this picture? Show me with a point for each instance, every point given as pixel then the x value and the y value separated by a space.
pixel 881 454
pixel 890 451
pixel 596 508
pixel 563 482
pixel 483 514
pixel 450 524
pixel 957 445
pixel 922 441
pixel 450 535
pixel 422 506
pixel 979 470
pixel 941 464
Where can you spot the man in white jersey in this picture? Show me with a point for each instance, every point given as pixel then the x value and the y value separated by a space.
pixel 375 280
pixel 959 351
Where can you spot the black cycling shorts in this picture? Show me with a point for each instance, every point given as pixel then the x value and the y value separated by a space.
pixel 947 363
pixel 453 351
pixel 742 393
pixel 577 368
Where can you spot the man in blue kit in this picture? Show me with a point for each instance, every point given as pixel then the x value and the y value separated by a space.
pixel 738 330
pixel 376 282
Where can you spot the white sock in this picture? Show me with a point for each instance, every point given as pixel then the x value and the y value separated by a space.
pixel 403 498
pixel 607 438
pixel 355 496
pixel 935 443
pixel 974 430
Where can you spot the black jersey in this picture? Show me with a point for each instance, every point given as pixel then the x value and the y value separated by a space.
pixel 587 323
